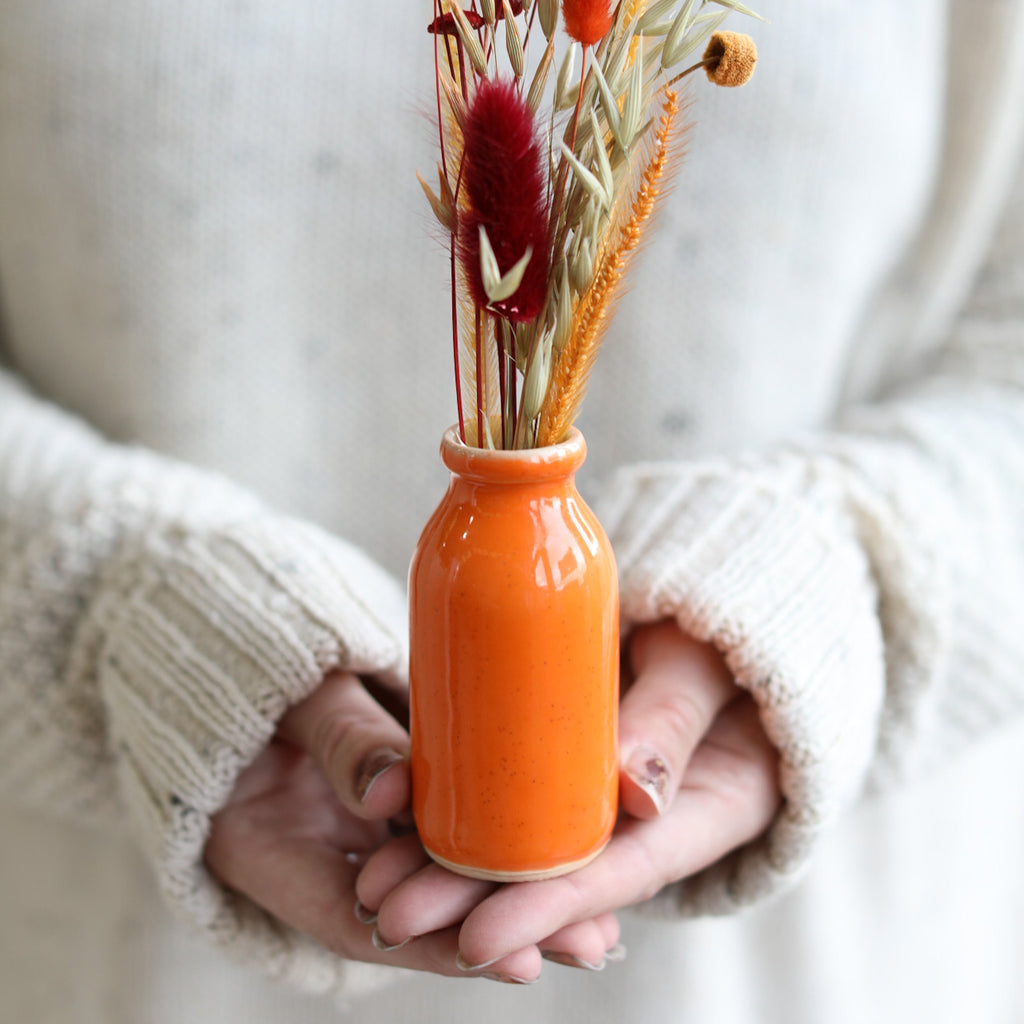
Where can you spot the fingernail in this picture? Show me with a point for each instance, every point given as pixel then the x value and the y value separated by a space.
pixel 649 771
pixel 616 954
pixel 507 979
pixel 373 767
pixel 568 960
pixel 385 947
pixel 464 965
pixel 364 916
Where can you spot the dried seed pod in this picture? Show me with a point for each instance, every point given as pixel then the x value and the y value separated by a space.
pixel 565 83
pixel 729 58
pixel 443 205
pixel 513 42
pixel 453 98
pixel 581 265
pixel 548 12
pixel 563 310
pixel 587 179
pixel 469 40
pixel 538 374
pixel 540 78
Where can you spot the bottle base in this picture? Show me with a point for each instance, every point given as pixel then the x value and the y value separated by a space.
pixel 514 876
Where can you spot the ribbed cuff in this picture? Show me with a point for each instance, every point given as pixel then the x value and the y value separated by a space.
pixel 744 561
pixel 210 636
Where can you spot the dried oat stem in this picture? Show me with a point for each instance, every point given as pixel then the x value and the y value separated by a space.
pixel 572 370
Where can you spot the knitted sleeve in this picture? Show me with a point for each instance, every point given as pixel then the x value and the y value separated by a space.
pixel 867 586
pixel 155 622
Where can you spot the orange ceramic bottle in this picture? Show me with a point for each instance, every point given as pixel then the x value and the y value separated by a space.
pixel 514 667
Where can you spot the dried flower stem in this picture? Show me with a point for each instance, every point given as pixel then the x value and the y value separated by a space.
pixel 502 378
pixel 572 370
pixel 455 339
pixel 704 62
pixel 539 242
pixel 451 238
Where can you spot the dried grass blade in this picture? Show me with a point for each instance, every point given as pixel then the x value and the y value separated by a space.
pixel 655 13
pixel 540 78
pixel 739 8
pixel 586 178
pixel 548 16
pixel 469 39
pixel 677 33
pixel 703 27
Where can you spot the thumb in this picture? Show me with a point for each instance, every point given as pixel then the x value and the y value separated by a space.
pixel 360 749
pixel 680 685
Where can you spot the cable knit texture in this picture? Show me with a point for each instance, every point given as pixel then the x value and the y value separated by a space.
pixel 157 623
pixel 860 584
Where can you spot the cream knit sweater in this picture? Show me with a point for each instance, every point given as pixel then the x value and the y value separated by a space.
pixel 223 323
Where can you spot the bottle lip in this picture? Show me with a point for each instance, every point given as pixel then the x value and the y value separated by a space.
pixel 520 465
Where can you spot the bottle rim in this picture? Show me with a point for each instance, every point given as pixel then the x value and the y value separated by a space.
pixel 519 465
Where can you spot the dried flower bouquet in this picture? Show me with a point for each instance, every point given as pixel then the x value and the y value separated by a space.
pixel 543 214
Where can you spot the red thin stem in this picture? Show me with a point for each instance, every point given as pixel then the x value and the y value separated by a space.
pixel 513 400
pixel 455 342
pixel 448 54
pixel 437 93
pixel 479 380
pixel 529 25
pixel 499 340
pixel 462 70
pixel 451 238
pixel 579 99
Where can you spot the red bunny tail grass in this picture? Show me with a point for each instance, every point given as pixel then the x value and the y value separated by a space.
pixel 444 24
pixel 587 21
pixel 505 189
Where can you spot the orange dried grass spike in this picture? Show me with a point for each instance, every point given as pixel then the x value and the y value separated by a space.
pixel 572 370
pixel 635 9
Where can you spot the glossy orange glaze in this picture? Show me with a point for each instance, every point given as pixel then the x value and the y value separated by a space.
pixel 514 667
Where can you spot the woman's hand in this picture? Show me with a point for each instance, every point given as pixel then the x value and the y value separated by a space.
pixel 313 806
pixel 699 780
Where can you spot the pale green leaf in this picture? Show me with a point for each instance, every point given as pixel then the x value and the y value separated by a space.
pixel 586 178
pixel 610 107
pixel 735 5
pixel 657 12
pixel 500 286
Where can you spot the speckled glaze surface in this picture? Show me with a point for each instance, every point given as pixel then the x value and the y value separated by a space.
pixel 514 667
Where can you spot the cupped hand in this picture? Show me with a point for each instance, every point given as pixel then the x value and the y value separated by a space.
pixel 699 780
pixel 304 816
